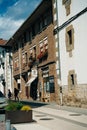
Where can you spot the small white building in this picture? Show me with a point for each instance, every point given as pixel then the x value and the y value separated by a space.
pixel 5 68
pixel 2 67
pixel 70 35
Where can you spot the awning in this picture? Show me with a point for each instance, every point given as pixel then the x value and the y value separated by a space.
pixel 30 81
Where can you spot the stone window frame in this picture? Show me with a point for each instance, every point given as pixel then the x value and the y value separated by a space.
pixel 70 82
pixel 69 39
pixel 67 6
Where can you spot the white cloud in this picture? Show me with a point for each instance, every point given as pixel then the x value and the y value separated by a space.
pixel 15 16
pixel 8 27
pixel 22 9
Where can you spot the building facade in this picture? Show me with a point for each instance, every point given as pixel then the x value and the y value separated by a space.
pixel 34 59
pixel 5 68
pixel 70 18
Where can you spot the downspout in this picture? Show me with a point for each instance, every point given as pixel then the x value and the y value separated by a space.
pixel 58 42
pixel 59 64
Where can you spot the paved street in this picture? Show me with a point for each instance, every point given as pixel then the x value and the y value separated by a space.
pixel 54 117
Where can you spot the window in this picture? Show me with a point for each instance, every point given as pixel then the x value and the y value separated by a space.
pixel 46 85
pixel 44 45
pixel 22 41
pixel 3 54
pixel 29 36
pixel 43 54
pixel 36 27
pixel 40 25
pixel 67 6
pixel 49 17
pixel 63 2
pixel 33 52
pixel 44 21
pixel 10 59
pixel 25 37
pixel 41 46
pixel 33 31
pixel 72 78
pixel 15 47
pixel 16 63
pixel 69 37
pixel 51 83
pixel 24 58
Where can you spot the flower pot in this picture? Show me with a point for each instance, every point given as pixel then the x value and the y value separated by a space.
pixel 19 116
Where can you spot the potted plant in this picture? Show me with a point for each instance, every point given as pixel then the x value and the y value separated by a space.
pixel 16 112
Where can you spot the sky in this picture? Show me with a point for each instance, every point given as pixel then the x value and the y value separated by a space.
pixel 13 13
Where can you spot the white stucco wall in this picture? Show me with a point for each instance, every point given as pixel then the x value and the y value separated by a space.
pixel 78 61
pixel 2 72
pixel 75 7
pixel 6 71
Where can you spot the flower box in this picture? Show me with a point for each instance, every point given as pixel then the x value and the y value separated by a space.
pixel 19 116
pixel 17 112
pixel 42 55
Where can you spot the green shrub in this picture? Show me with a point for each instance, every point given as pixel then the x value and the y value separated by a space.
pixel 13 106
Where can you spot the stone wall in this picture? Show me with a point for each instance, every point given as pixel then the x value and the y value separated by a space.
pixel 76 96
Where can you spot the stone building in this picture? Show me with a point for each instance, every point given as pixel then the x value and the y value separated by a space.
pixel 70 18
pixel 34 59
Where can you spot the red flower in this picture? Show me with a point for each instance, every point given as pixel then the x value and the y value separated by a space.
pixel 40 55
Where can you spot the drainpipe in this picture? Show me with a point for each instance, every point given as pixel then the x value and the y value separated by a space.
pixel 59 81
pixel 58 42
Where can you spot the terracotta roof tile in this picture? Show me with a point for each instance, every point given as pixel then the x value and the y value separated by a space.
pixel 2 42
